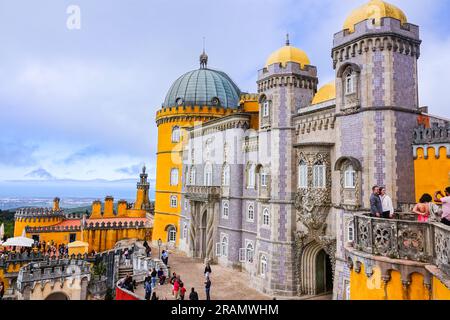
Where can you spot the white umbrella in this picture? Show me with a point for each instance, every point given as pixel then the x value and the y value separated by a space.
pixel 2 232
pixel 21 241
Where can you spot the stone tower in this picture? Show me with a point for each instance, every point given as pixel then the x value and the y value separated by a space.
pixel 287 83
pixel 377 98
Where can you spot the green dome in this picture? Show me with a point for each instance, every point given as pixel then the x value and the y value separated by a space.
pixel 203 87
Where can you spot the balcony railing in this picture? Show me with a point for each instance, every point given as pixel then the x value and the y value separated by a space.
pixel 203 193
pixel 404 239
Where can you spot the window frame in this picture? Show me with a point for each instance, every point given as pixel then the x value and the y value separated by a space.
pixel 350 172
pixel 319 171
pixel 172 170
pixel 226 175
pixel 302 175
pixel 224 245
pixel 208 175
pixel 252 219
pixel 265 108
pixel 171 231
pixel 251 176
pixel 263 265
pixel 225 205
pixel 266 217
pixel 176 134
pixel 173 203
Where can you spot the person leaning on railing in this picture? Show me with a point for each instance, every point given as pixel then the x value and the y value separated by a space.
pixel 445 200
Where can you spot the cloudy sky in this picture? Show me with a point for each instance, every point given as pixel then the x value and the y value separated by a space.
pixel 80 104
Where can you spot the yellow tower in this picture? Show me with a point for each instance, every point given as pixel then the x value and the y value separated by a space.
pixel 195 97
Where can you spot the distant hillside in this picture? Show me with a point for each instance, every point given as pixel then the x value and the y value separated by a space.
pixel 7 218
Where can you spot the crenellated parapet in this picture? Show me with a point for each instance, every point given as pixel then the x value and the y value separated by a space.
pixel 90 225
pixel 291 75
pixel 191 113
pixel 435 137
pixel 25 213
pixel 51 270
pixel 47 229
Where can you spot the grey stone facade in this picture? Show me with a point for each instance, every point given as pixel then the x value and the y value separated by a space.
pixel 367 133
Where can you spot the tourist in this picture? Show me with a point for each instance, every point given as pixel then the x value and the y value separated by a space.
pixel 182 291
pixel 161 277
pixel 193 295
pixel 165 257
pixel 386 204
pixel 445 200
pixel 154 277
pixel 148 289
pixel 176 287
pixel 2 289
pixel 207 271
pixel 154 297
pixel 208 288
pixel 375 203
pixel 422 209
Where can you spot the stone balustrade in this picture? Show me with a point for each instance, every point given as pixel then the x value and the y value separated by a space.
pixel 404 239
pixel 203 193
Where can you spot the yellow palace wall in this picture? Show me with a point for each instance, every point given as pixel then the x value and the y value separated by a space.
pixel 372 288
pixel 431 174
pixel 169 156
pixel 21 223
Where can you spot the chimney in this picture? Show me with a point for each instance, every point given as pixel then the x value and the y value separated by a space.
pixel 56 204
pixel 109 207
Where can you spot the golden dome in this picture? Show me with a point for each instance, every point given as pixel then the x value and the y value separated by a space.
pixel 325 93
pixel 288 54
pixel 374 9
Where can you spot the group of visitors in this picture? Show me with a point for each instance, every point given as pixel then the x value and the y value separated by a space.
pixel 381 204
pixel 51 248
pixel 426 210
pixel 128 283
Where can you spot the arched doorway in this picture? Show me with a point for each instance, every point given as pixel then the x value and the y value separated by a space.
pixel 57 296
pixel 324 273
pixel 315 270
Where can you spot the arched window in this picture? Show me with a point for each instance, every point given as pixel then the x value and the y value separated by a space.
pixel 265 108
pixel 208 175
pixel 350 82
pixel 350 177
pixel 251 212
pixel 173 201
pixel 249 249
pixel 266 217
pixel 319 171
pixel 225 209
pixel 302 174
pixel 171 234
pixel 174 177
pixel 226 175
pixel 263 265
pixel 176 134
pixel 185 231
pixel 224 245
pixel 251 176
pixel 264 178
pixel 192 177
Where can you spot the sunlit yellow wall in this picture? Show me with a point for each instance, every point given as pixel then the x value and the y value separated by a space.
pixel 440 291
pixel 372 288
pixel 21 223
pixel 105 239
pixel 169 155
pixel 12 268
pixel 57 237
pixel 431 174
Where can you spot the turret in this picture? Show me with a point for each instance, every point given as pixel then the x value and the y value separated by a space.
pixel 142 199
pixel 96 210
pixel 56 204
pixel 108 211
pixel 122 208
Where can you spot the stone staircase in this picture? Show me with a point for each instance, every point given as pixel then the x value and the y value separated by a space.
pixel 124 270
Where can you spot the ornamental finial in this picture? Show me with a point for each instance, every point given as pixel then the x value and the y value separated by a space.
pixel 287 39
pixel 203 57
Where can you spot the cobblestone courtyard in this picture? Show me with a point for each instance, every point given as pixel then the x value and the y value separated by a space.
pixel 227 284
